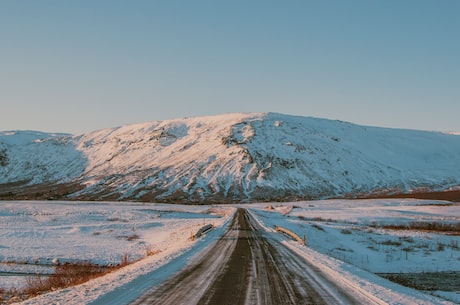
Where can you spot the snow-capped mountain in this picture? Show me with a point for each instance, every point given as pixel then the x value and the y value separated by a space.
pixel 230 157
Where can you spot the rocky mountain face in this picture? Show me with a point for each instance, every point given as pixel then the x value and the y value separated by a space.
pixel 227 158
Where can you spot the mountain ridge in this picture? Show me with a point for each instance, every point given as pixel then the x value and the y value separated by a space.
pixel 237 157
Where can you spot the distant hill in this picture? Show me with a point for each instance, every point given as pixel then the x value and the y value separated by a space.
pixel 227 158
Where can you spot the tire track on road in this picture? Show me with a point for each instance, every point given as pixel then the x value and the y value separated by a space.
pixel 246 267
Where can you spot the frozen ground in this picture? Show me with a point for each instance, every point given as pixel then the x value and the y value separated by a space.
pixel 34 236
pixel 361 233
pixel 349 239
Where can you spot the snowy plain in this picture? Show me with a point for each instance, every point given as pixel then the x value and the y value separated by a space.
pixel 35 236
pixel 346 238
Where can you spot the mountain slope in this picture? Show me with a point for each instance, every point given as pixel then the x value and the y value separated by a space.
pixel 231 157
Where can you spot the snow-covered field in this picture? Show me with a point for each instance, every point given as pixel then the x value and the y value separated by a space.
pixel 350 238
pixel 362 233
pixel 35 236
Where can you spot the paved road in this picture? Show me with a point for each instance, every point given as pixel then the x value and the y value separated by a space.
pixel 247 267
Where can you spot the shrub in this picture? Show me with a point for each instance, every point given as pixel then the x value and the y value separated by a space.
pixel 132 237
pixel 407 239
pixel 3 158
pixel 149 251
pixel 66 275
pixel 124 260
pixel 317 227
pixel 441 247
pixel 389 242
pixel 424 226
pixel 408 249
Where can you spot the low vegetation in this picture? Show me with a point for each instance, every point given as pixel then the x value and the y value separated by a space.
pixel 428 281
pixel 3 158
pixel 442 227
pixel 65 275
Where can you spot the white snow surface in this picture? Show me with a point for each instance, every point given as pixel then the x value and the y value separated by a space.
pixel 37 157
pixel 36 235
pixel 243 156
pixel 340 241
pixel 352 240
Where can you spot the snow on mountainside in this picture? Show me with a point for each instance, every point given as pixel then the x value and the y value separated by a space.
pixel 36 157
pixel 231 157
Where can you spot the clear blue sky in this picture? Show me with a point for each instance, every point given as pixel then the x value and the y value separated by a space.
pixel 76 66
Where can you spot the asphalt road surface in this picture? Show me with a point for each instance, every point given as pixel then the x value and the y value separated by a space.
pixel 246 266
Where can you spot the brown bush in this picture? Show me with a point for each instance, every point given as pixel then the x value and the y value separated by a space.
pixel 132 237
pixel 149 251
pixel 125 261
pixel 66 275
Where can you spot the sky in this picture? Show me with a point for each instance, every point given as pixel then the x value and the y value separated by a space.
pixel 79 66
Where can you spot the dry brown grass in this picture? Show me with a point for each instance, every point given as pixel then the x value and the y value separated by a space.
pixel 445 281
pixel 453 196
pixel 66 275
pixel 440 227
pixel 149 251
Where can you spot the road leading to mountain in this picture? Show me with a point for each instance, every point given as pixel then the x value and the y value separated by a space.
pixel 246 267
